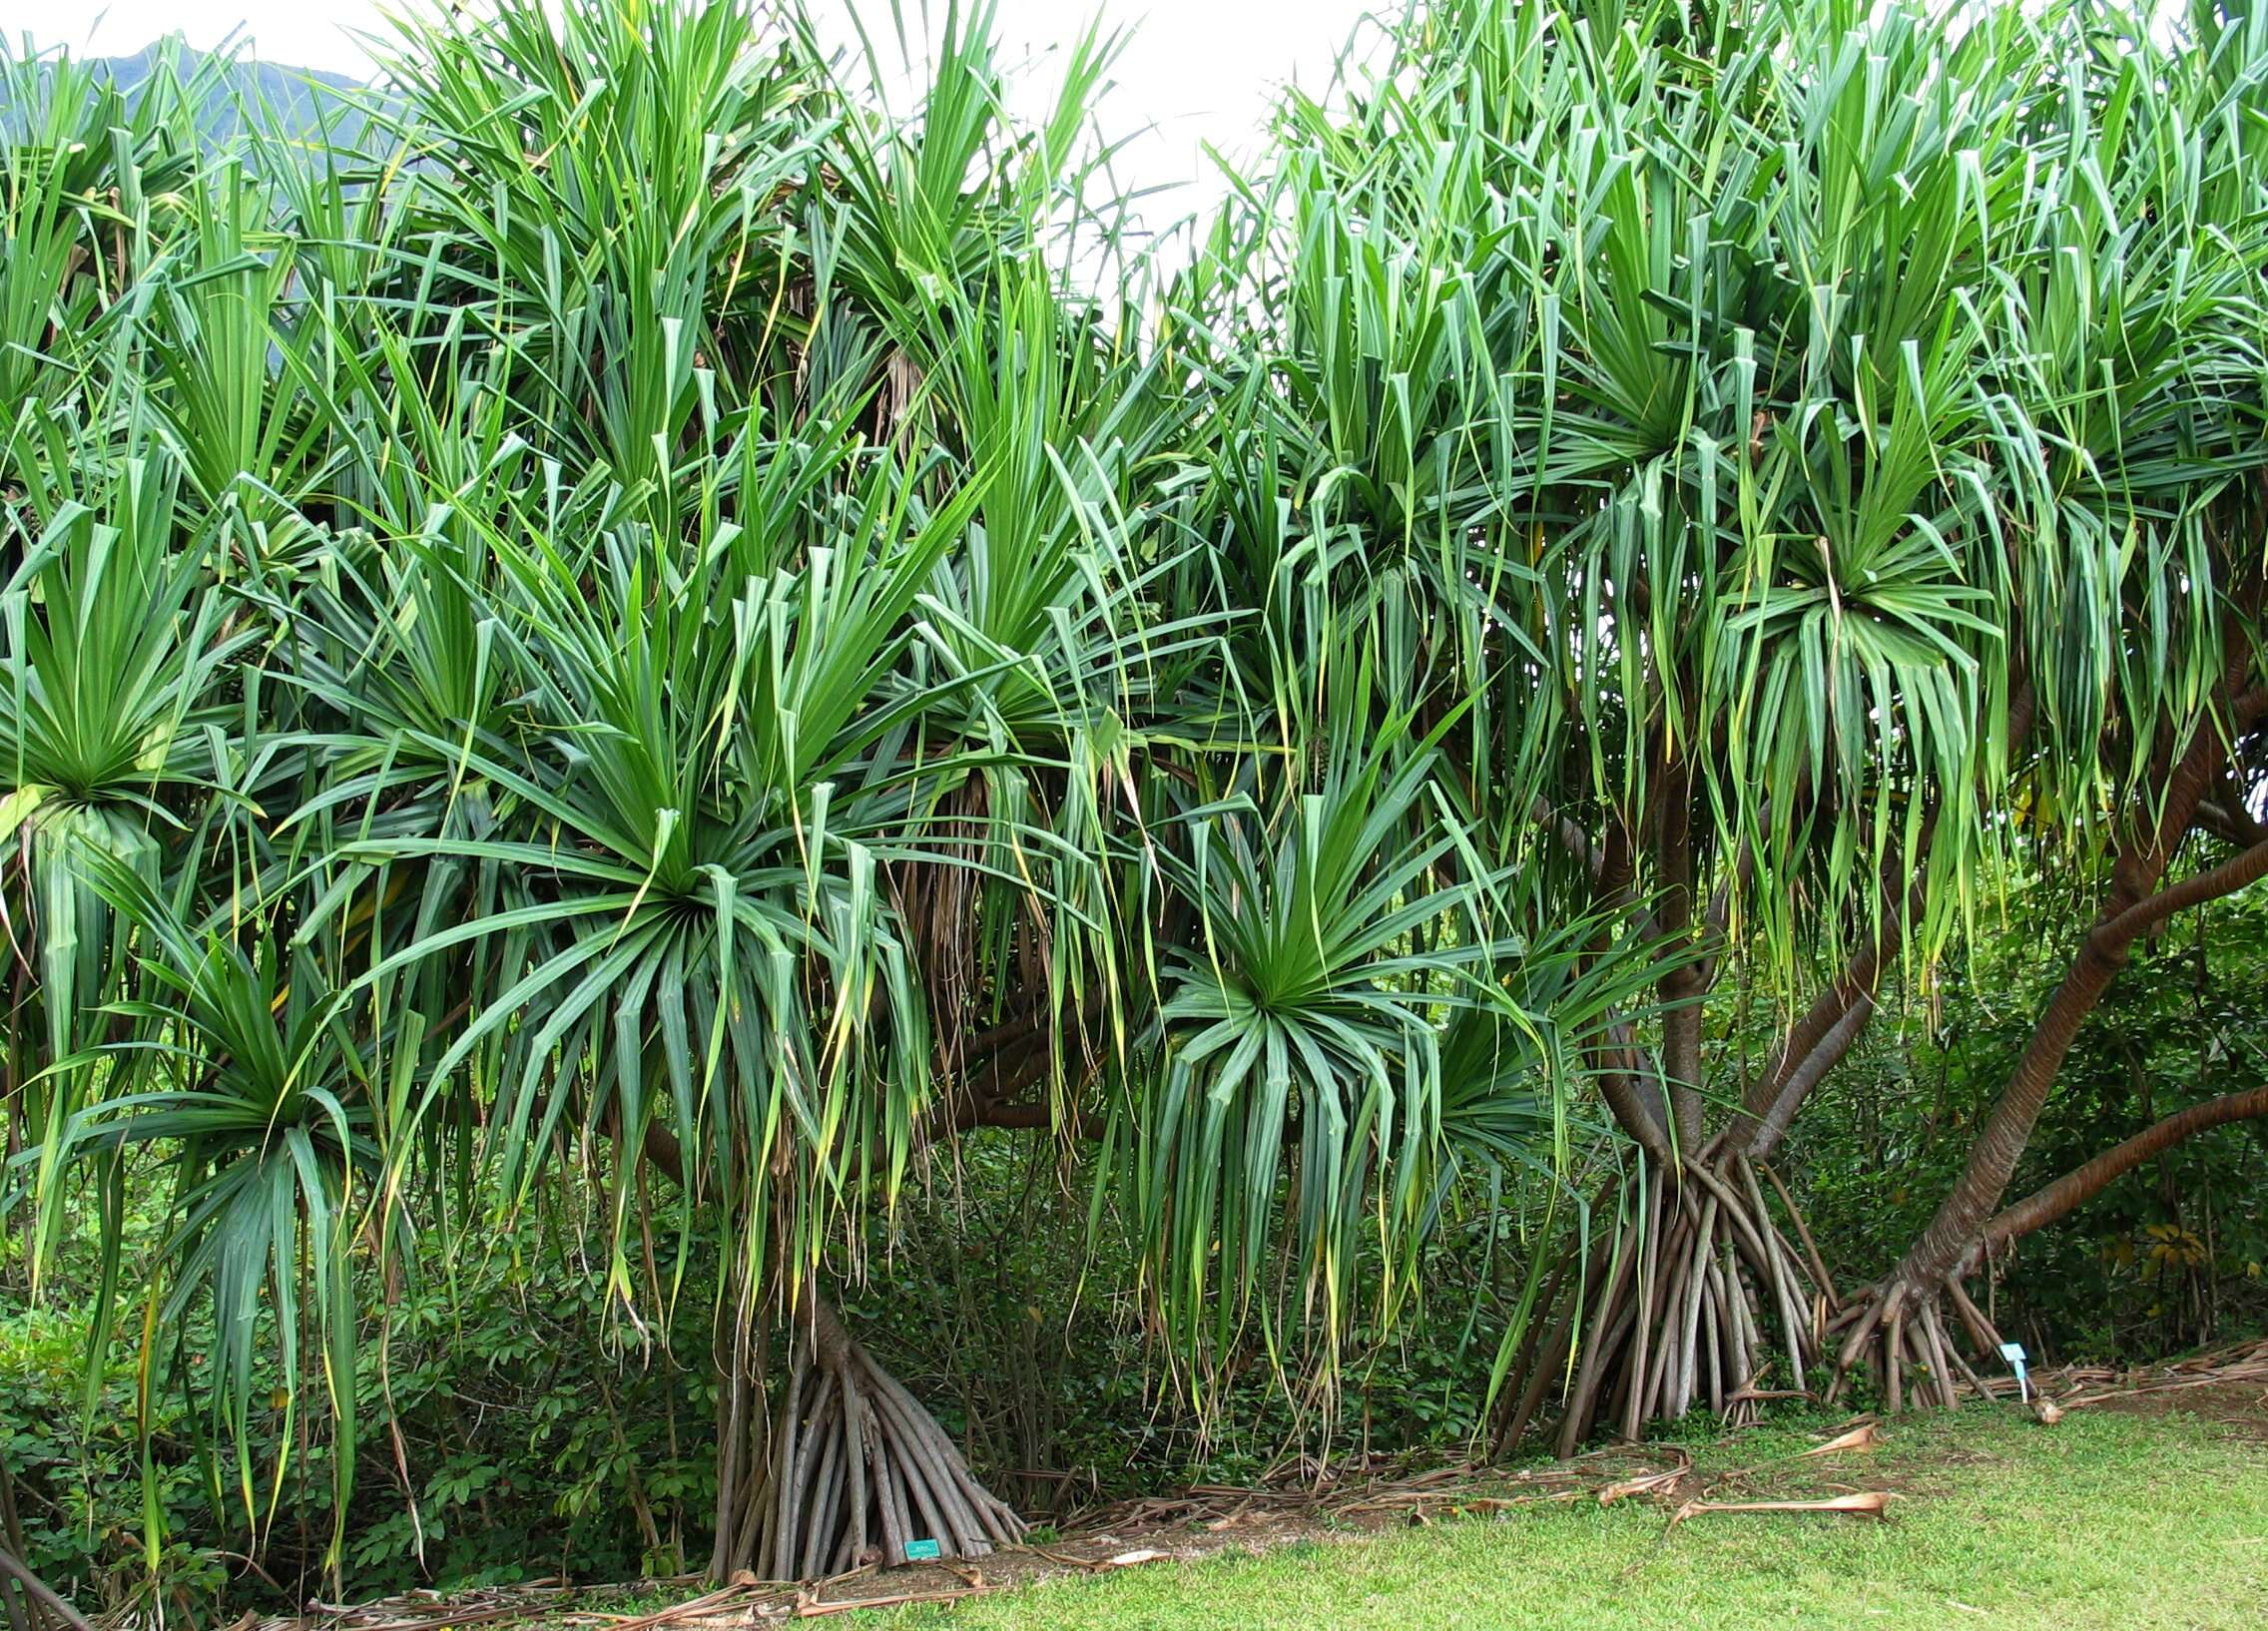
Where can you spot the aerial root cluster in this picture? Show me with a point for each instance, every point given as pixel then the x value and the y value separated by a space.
pixel 857 1472
pixel 1694 1310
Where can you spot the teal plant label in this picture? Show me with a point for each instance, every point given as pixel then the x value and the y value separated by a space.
pixel 921 1551
pixel 2013 1353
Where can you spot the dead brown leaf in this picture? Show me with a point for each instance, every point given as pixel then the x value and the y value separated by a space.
pixel 1864 1437
pixel 1640 1485
pixel 1871 1502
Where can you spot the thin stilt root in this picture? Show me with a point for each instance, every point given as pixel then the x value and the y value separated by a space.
pixel 1896 1332
pixel 859 1471
pixel 1690 1310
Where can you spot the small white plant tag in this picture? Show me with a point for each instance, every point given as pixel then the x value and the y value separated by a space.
pixel 2013 1353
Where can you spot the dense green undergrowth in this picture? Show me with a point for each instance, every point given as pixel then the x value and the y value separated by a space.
pixel 541 1434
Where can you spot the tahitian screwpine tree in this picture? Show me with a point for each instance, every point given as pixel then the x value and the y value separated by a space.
pixel 633 629
pixel 651 624
pixel 1877 402
pixel 1870 399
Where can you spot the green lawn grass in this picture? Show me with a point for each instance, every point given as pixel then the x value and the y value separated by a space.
pixel 2110 1521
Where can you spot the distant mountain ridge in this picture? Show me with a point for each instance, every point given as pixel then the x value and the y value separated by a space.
pixel 233 87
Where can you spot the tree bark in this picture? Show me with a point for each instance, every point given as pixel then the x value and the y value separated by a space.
pixel 1831 1051
pixel 1883 1326
pixel 2083 1182
pixel 1836 1018
pixel 1682 987
pixel 1631 1094
pixel 2129 911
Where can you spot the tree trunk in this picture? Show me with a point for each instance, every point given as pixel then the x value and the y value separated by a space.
pixel 1697 1298
pixel 1684 986
pixel 2127 912
pixel 1879 1332
pixel 2083 1182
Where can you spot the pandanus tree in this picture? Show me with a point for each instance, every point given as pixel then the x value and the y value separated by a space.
pixel 1864 405
pixel 664 647
pixel 641 629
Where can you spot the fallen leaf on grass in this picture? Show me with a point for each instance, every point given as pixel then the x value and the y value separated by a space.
pixel 1126 1561
pixel 1873 1501
pixel 1641 1485
pixel 809 1608
pixel 1862 1438
pixel 1121 1560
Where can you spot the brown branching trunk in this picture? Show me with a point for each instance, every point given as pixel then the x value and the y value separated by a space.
pixel 1825 1033
pixel 1698 1300
pixel 1704 1300
pixel 1700 1296
pixel 1895 1330
pixel 848 1471
pixel 2083 1182
pixel 2129 911
pixel 1683 987
pixel 1627 1080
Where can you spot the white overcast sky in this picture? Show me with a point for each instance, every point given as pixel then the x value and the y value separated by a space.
pixel 1201 71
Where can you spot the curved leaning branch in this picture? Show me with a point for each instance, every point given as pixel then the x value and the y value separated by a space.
pixel 2089 1180
pixel 1896 1329
pixel 2135 906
